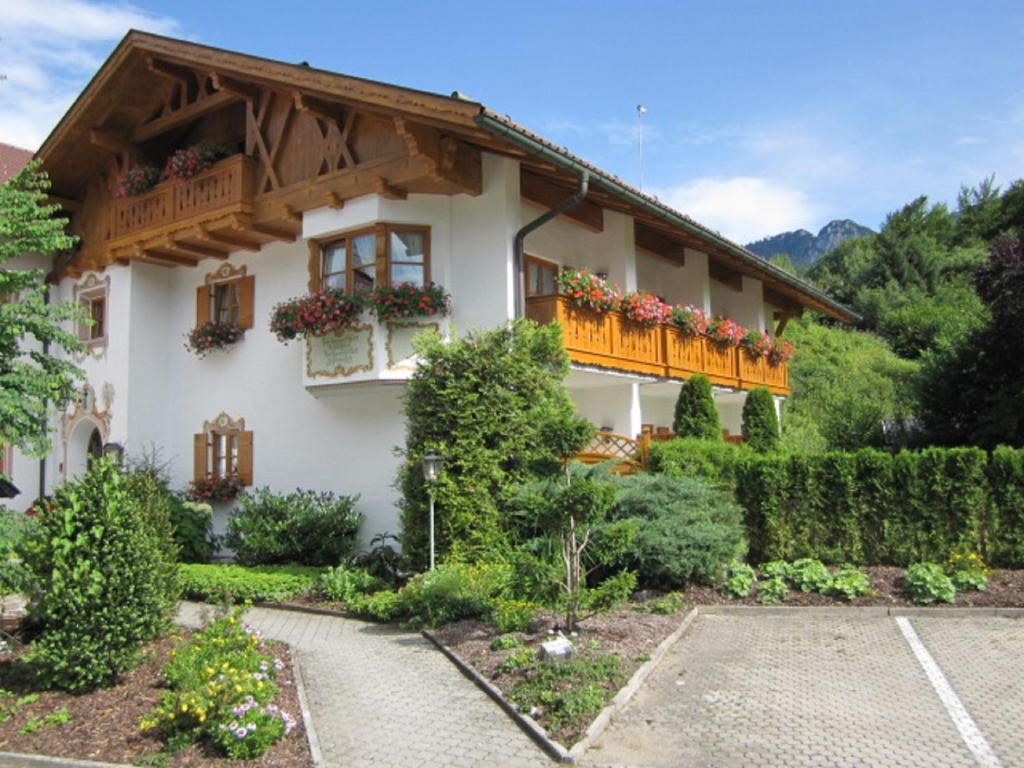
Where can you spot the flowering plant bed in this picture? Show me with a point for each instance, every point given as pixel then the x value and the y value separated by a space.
pixel 394 302
pixel 645 308
pixel 136 180
pixel 315 314
pixel 191 161
pixel 690 320
pixel 210 336
pixel 780 353
pixel 587 291
pixel 103 724
pixel 215 489
pixel 725 332
pixel 757 344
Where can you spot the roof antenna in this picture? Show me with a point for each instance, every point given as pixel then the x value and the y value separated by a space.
pixel 640 111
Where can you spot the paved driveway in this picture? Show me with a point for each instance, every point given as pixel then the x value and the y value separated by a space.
pixel 829 690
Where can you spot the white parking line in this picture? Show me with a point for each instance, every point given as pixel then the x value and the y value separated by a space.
pixel 969 731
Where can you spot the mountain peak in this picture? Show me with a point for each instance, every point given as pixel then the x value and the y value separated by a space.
pixel 804 247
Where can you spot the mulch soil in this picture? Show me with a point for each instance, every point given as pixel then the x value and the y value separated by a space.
pixel 1005 590
pixel 104 723
pixel 631 635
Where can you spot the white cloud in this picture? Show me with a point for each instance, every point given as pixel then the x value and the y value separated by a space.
pixel 48 51
pixel 743 208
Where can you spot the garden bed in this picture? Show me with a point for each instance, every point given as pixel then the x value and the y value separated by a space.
pixel 1005 590
pixel 627 634
pixel 103 724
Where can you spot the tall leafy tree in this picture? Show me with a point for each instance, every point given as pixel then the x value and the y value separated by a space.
pixel 31 378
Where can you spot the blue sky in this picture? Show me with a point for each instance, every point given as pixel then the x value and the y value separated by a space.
pixel 762 116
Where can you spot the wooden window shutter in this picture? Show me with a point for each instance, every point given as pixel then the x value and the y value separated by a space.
pixel 202 305
pixel 200 457
pixel 244 470
pixel 246 297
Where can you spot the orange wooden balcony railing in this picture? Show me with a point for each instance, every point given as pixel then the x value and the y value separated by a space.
pixel 611 341
pixel 226 188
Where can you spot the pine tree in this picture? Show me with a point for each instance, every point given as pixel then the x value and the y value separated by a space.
pixel 696 415
pixel 760 423
pixel 30 379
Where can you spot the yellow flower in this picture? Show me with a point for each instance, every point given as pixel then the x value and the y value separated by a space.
pixel 184 707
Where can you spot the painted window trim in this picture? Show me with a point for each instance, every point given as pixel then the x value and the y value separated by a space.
pixel 382 265
pixel 227 274
pixel 90 290
pixel 206 458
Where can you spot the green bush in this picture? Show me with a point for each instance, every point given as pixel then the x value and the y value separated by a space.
pixel 684 531
pixel 506 643
pixel 1005 540
pixel 850 583
pixel 774 569
pixel 967 571
pixel 760 422
pixel 495 405
pixel 304 527
pixel 192 522
pixel 570 692
pixel 102 561
pixel 452 592
pixel 716 461
pixel 239 584
pixel 385 605
pixel 343 584
pixel 927 583
pixel 696 414
pixel 15 528
pixel 874 507
pixel 673 602
pixel 740 579
pixel 512 615
pixel 809 575
pixel 772 591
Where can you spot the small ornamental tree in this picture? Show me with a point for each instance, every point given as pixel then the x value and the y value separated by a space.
pixel 494 405
pixel 103 565
pixel 760 422
pixel 31 379
pixel 696 415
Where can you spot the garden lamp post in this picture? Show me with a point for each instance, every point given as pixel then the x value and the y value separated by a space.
pixel 431 470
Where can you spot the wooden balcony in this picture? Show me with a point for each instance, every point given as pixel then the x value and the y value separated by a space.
pixel 611 341
pixel 182 221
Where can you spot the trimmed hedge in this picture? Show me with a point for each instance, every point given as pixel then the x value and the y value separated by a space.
pixel 714 460
pixel 239 583
pixel 874 507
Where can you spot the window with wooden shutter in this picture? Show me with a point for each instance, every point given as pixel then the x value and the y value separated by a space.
pixel 223 449
pixel 227 296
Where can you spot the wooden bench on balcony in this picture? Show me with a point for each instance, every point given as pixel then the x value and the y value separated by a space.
pixel 611 341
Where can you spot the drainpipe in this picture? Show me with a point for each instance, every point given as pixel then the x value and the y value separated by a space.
pixel 540 221
pixel 42 461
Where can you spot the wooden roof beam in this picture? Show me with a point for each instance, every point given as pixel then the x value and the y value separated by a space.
pixel 227 84
pixel 658 245
pixel 318 108
pixel 175 72
pixel 112 141
pixel 385 189
pixel 540 191
pixel 182 116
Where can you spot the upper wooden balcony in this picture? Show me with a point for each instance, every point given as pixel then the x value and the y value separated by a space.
pixel 611 341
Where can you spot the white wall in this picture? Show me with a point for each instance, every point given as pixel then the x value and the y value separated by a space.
pixel 745 306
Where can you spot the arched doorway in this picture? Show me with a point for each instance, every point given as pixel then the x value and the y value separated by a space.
pixel 85 444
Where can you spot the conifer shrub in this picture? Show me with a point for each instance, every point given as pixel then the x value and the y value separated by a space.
pixel 494 405
pixel 713 460
pixel 696 415
pixel 760 422
pixel 103 565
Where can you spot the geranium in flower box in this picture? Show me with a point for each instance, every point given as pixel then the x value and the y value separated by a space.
pixel 725 332
pixel 191 161
pixel 645 308
pixel 136 180
pixel 394 302
pixel 690 320
pixel 780 353
pixel 756 343
pixel 213 490
pixel 587 291
pixel 210 336
pixel 316 314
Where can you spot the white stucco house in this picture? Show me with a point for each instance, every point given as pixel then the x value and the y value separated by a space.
pixel 340 182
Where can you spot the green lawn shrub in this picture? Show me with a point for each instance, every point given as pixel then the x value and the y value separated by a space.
pixel 927 583
pixel 683 531
pixel 673 602
pixel 870 507
pixel 739 580
pixel 102 564
pixel 772 591
pixel 238 583
pixel 342 584
pixel 15 528
pixel 192 522
pixel 760 424
pixel 451 592
pixel 850 583
pixel 967 571
pixel 809 575
pixel 304 528
pixel 716 461
pixel 774 569
pixel 570 692
pixel 511 615
pixel 695 413
pixel 221 691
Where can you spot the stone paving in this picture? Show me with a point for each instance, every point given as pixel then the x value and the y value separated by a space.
pixel 817 690
pixel 385 697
